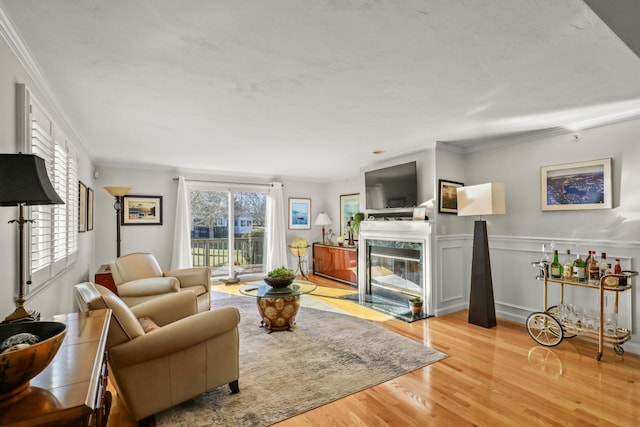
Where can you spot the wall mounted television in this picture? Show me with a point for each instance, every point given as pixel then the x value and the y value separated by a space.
pixel 392 187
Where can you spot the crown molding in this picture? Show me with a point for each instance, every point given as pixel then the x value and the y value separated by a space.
pixel 24 56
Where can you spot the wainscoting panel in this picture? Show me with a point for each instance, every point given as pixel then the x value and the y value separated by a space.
pixel 517 292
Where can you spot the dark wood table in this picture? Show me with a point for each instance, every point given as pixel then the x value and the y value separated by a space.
pixel 72 390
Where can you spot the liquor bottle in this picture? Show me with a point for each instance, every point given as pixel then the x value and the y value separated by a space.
pixel 556 267
pixel 617 269
pixel 579 270
pixel 593 269
pixel 604 265
pixel 567 266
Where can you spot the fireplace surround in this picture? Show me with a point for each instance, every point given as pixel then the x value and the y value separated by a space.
pixel 394 265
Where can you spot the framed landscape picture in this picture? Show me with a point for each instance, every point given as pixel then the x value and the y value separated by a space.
pixel 448 200
pixel 141 210
pixel 576 186
pixel 349 206
pixel 299 214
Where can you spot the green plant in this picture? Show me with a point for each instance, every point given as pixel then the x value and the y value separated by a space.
pixel 355 223
pixel 280 272
pixel 416 300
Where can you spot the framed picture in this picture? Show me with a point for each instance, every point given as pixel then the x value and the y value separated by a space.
pixel 141 210
pixel 448 200
pixel 419 213
pixel 82 207
pixel 576 186
pixel 349 206
pixel 299 214
pixel 89 209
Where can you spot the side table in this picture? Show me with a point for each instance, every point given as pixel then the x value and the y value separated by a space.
pixel 278 307
pixel 103 277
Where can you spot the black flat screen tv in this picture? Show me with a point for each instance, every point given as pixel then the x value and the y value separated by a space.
pixel 392 187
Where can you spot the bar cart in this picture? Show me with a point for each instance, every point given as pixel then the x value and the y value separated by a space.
pixel 550 326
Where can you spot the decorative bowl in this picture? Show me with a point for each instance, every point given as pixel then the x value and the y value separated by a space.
pixel 20 365
pixel 279 282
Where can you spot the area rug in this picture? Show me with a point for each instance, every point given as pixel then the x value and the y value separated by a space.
pixel 328 356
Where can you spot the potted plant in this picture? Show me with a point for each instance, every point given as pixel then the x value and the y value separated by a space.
pixel 280 277
pixel 415 305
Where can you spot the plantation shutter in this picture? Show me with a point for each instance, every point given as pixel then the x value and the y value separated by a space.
pixel 53 238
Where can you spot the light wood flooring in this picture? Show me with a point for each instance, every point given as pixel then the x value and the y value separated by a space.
pixel 492 377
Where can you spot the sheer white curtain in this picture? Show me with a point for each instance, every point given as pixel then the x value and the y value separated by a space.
pixel 276 226
pixel 181 255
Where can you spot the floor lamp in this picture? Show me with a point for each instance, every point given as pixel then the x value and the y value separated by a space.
pixel 478 200
pixel 25 182
pixel 118 193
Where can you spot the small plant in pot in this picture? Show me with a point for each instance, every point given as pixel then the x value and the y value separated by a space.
pixel 415 305
pixel 280 277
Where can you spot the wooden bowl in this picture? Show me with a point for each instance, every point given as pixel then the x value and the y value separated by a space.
pixel 279 282
pixel 22 364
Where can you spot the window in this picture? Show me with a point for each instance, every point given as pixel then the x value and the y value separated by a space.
pixel 52 243
pixel 228 250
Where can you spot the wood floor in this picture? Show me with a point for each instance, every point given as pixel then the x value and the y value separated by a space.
pixel 492 377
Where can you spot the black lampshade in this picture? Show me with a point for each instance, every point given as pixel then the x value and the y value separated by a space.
pixel 24 179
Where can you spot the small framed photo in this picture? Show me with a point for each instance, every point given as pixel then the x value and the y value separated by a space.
pixel 82 207
pixel 420 213
pixel 299 214
pixel 349 206
pixel 141 210
pixel 576 186
pixel 89 209
pixel 448 200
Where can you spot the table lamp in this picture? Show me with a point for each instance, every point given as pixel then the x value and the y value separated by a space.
pixel 25 182
pixel 118 193
pixel 483 199
pixel 323 219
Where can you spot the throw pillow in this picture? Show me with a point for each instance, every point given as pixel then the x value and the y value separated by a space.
pixel 148 325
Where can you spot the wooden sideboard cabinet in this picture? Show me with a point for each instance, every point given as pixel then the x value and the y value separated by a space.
pixel 336 262
pixel 103 277
pixel 72 390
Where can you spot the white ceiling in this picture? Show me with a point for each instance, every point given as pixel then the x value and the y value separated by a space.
pixel 309 88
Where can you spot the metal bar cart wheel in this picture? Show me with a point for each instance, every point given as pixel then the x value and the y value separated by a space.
pixel 544 329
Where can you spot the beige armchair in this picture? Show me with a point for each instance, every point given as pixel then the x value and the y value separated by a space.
pixel 183 354
pixel 139 278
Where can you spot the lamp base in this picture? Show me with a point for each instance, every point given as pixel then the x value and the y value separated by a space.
pixel 482 310
pixel 21 314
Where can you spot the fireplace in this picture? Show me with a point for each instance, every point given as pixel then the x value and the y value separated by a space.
pixel 394 266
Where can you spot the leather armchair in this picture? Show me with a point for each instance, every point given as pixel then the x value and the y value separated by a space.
pixel 188 354
pixel 139 278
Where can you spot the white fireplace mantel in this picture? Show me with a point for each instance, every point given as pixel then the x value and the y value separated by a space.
pixel 401 231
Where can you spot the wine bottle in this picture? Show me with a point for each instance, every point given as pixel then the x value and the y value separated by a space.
pixel 579 270
pixel 556 267
pixel 567 266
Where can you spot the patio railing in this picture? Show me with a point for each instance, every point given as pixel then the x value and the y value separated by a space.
pixel 214 252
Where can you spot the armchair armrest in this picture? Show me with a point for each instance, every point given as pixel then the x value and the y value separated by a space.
pixel 168 308
pixel 196 276
pixel 149 286
pixel 175 337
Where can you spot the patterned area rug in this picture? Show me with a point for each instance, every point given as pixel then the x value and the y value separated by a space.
pixel 328 356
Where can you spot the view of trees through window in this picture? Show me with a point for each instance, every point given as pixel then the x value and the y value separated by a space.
pixel 212 234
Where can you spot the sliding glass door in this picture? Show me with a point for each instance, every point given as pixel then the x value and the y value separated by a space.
pixel 228 228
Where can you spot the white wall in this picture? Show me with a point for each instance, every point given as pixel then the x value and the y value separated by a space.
pixel 158 239
pixel 56 296
pixel 516 238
